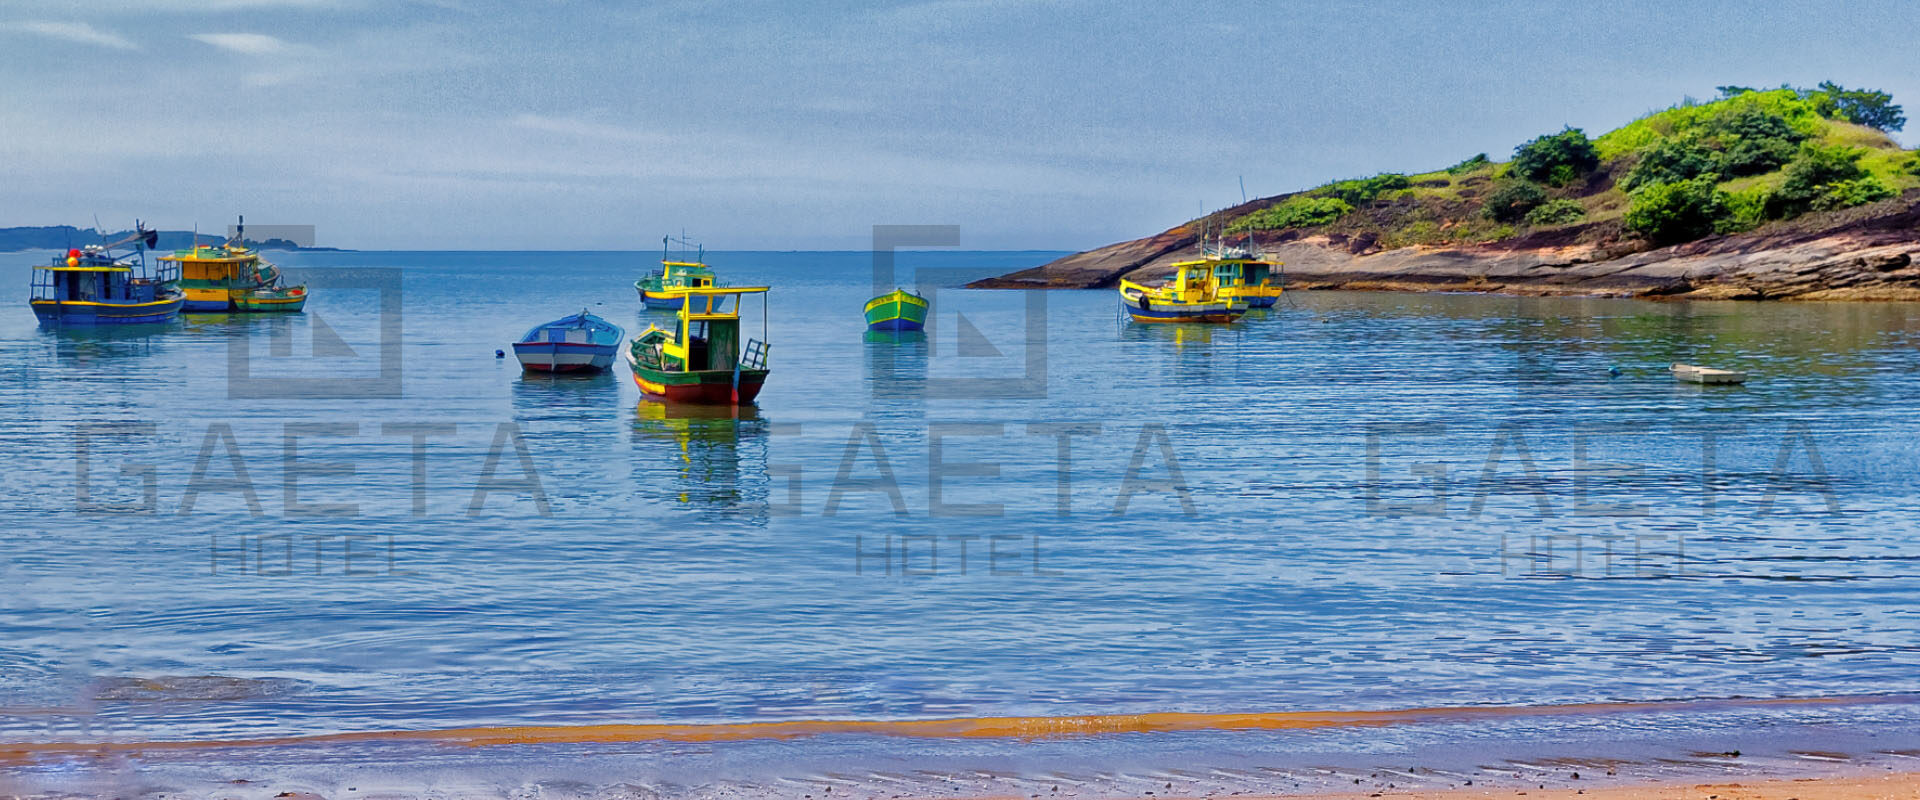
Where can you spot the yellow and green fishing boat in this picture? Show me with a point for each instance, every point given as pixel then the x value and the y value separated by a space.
pixel 666 291
pixel 898 310
pixel 232 277
pixel 281 299
pixel 702 359
pixel 1191 295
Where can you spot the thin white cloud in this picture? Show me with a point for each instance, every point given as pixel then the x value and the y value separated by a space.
pixel 253 44
pixel 75 32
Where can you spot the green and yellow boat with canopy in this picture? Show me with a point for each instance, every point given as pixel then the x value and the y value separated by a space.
pixel 702 359
pixel 664 291
pixel 1191 295
pixel 898 310
pixel 233 277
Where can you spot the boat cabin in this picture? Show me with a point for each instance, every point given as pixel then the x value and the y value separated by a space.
pixel 1239 272
pixel 685 274
pixel 708 336
pixel 92 276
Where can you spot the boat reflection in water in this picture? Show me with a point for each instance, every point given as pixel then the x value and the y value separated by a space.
pixel 83 344
pixel 897 363
pixel 1178 334
pixel 1194 354
pixel 581 396
pixel 713 458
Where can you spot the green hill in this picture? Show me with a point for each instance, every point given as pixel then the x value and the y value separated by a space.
pixel 1747 159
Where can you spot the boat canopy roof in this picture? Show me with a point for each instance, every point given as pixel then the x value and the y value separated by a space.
pixel 721 289
pixel 1207 262
pixel 211 254
pixel 85 268
pixel 582 320
pixel 710 309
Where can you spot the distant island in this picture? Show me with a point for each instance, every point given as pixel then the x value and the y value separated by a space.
pixel 1759 194
pixel 62 237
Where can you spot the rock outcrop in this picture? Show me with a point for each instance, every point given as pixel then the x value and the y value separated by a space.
pixel 1865 253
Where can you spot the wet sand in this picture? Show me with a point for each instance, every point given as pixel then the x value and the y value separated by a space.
pixel 1888 786
pixel 1732 749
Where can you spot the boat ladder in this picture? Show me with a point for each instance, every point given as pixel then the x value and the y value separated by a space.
pixel 755 356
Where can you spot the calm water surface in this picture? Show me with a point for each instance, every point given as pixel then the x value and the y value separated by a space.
pixel 358 518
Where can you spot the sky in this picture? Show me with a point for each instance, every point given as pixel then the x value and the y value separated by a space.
pixel 474 124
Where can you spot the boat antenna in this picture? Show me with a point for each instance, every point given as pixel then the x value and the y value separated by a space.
pixel 240 230
pixel 1243 190
pixel 97 231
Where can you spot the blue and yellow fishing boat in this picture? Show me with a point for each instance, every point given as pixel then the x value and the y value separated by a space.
pixel 232 277
pixel 898 310
pixel 1191 295
pixel 665 291
pixel 1241 275
pixel 92 286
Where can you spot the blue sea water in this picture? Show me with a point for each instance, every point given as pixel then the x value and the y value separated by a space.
pixel 358 518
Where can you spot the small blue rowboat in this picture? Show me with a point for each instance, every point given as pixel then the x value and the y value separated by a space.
pixel 579 343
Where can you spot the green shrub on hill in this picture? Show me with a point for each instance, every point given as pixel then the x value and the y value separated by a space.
pixel 1668 213
pixel 1755 156
pixel 1754 141
pixel 1513 200
pixel 1746 209
pixel 1849 193
pixel 1361 191
pixel 1813 175
pixel 1469 165
pixel 1556 158
pixel 1296 212
pixel 1710 119
pixel 1913 166
pixel 1558 211
pixel 1671 161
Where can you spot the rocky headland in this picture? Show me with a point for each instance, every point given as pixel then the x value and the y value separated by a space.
pixel 1781 194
